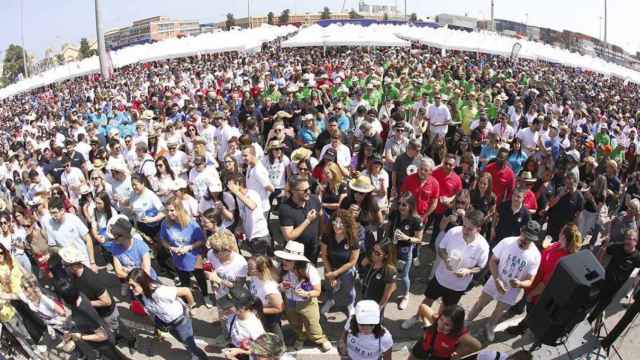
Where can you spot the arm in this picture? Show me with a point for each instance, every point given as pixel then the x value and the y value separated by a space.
pixel 353 259
pixel 274 305
pixel 325 258
pixel 389 289
pixel 186 294
pixel 99 336
pixel 103 300
pixel 467 344
pixel 117 267
pixel 244 198
pixel 432 208
pixel 146 263
pixel 89 242
pixel 291 233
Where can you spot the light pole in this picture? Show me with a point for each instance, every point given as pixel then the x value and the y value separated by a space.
pixel 24 51
pixel 405 11
pixel 102 53
pixel 249 14
pixel 600 28
pixel 493 23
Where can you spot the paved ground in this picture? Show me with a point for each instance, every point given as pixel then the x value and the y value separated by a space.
pixel 581 344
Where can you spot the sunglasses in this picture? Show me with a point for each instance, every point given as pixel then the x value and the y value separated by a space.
pixel 307 190
pixel 4 223
pixel 403 204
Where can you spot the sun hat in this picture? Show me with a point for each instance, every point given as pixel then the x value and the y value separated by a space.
pixel 147 115
pixel 283 114
pixel 274 144
pixel 361 184
pixel 120 229
pixel 293 251
pixel 526 177
pixel 71 255
pixel 531 230
pixel 267 345
pixel 117 165
pixel 367 312
pixel 300 154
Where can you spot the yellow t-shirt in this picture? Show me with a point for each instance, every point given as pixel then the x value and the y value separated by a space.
pixel 12 287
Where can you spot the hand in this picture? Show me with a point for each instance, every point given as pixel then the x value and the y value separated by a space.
pixel 453 218
pixel 330 275
pixel 514 283
pixel 231 353
pixel 355 210
pixel 233 187
pixel 312 215
pixel 285 285
pixel 94 267
pixel 454 355
pixel 500 286
pixel 75 336
pixel 462 272
pixel 302 293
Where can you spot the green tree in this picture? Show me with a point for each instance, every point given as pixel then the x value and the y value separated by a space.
pixel 85 50
pixel 284 17
pixel 385 17
pixel 413 17
pixel 326 13
pixel 13 64
pixel 231 21
pixel 270 17
pixel 354 15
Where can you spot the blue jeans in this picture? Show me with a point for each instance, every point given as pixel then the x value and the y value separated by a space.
pixel 183 332
pixel 346 280
pixel 406 269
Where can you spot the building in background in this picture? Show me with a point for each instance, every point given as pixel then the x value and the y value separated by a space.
pixel 367 9
pixel 150 30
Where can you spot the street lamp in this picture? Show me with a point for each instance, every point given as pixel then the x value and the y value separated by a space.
pixel 24 51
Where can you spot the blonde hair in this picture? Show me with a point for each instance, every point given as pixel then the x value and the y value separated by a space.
pixel 573 237
pixel 336 173
pixel 223 239
pixel 200 150
pixel 265 269
pixel 183 217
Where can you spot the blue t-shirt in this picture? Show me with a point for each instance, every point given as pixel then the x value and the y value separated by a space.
pixel 132 258
pixel 176 236
pixel 516 160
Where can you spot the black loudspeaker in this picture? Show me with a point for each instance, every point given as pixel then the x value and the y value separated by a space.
pixel 567 299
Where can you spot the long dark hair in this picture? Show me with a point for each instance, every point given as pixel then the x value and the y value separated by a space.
pixel 165 162
pixel 456 314
pixel 7 256
pixel 107 204
pixel 299 269
pixel 147 284
pixel 350 226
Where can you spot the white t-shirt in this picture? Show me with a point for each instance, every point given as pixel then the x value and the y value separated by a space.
pixel 491 355
pixel 72 181
pixel 529 139
pixel 276 171
pixel 147 204
pixel 343 154
pixel 201 181
pixel 45 309
pixel 261 289
pixel 296 283
pixel 506 132
pixel 231 271
pixel 513 263
pixel 439 117
pixel 461 255
pixel 222 136
pixel 376 180
pixel 367 347
pixel 178 163
pixel 248 329
pixel 69 233
pixel 164 303
pixel 257 180
pixel 253 221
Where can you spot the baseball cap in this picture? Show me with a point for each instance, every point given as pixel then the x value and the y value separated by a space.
pixel 238 296
pixel 532 230
pixel 267 345
pixel 367 312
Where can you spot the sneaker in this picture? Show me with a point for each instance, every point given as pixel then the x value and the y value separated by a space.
pixel 208 303
pixel 409 323
pixel 326 347
pixel 298 345
pixel 404 302
pixel 327 306
pixel 491 334
pixel 416 262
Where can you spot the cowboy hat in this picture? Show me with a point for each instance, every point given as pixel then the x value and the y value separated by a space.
pixel 361 184
pixel 300 154
pixel 71 255
pixel 274 144
pixel 293 251
pixel 526 177
pixel 147 115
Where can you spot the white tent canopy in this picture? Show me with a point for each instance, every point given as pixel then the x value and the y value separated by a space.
pixel 241 40
pixel 345 35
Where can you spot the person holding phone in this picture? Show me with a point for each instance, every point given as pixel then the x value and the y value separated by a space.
pixel 300 217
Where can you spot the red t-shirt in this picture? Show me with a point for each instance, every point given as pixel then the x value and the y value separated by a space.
pixel 449 185
pixel 548 262
pixel 425 192
pixel 504 181
pixel 530 201
pixel 444 344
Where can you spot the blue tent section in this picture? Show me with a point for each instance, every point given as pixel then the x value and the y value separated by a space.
pixel 367 22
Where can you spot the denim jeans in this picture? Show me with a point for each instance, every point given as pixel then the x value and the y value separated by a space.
pixel 346 280
pixel 406 269
pixel 183 332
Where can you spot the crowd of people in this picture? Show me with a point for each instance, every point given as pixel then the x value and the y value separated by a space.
pixel 291 183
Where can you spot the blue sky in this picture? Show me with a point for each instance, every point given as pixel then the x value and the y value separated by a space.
pixel 51 23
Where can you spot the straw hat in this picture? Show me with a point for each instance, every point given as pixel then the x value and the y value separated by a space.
pixel 300 154
pixel 147 115
pixel 117 165
pixel 361 184
pixel 71 255
pixel 283 114
pixel 293 251
pixel 526 177
pixel 274 144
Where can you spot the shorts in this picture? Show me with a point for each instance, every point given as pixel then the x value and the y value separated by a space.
pixel 435 291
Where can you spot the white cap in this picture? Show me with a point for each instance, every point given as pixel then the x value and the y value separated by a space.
pixel 367 312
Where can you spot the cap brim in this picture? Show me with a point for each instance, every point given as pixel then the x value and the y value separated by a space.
pixel 289 256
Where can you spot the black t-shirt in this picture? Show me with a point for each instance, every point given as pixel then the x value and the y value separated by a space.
pixel 85 318
pixel 293 215
pixel 482 203
pixel 510 223
pixel 330 197
pixel 91 285
pixel 77 160
pixel 339 253
pixel 566 209
pixel 400 168
pixel 365 218
pixel 375 280
pixel 409 226
pixel 621 265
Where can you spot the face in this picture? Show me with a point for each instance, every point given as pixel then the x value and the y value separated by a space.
pixel 483 184
pixel 135 288
pixel 377 254
pixel 403 206
pixel 5 225
pixel 171 212
pixel 338 226
pixel 523 243
pixel 630 243
pixel 424 171
pixel 516 200
pixel 228 163
pixel 247 156
pixel 137 186
pixel 206 223
pixel 302 192
pixel 445 325
pixel 303 170
pixel 469 229
pixel 365 329
pixel 222 253
pixel 327 175
pixel 287 265
pixel 99 204
pixel 57 214
pixel 449 164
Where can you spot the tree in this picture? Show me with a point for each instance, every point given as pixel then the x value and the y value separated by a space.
pixel 231 21
pixel 385 17
pixel 354 15
pixel 85 50
pixel 413 17
pixel 326 14
pixel 13 64
pixel 270 16
pixel 284 17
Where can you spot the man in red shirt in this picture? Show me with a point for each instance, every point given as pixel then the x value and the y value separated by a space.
pixel 424 188
pixel 450 185
pixel 504 180
pixel 525 182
